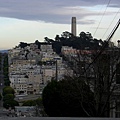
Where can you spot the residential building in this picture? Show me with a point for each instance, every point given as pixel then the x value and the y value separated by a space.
pixel 26 76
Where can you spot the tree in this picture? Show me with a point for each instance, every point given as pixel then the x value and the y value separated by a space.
pixel 48 40
pixel 29 103
pixel 103 81
pixel 66 34
pixel 10 103
pixel 82 35
pixel 8 90
pixel 37 105
pixel 39 102
pixel 8 97
pixel 6 82
pixel 64 98
pixel 57 38
pixel 98 70
pixel 22 44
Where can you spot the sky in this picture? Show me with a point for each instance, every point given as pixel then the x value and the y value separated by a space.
pixel 30 20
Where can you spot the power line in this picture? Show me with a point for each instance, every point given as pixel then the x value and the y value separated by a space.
pixel 111 22
pixel 104 46
pixel 102 17
pixel 98 13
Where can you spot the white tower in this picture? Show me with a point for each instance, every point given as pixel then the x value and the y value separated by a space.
pixel 73 26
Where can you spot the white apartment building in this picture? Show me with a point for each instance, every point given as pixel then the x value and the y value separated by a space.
pixel 13 53
pixel 19 83
pixel 33 46
pixel 46 48
pixel 29 78
pixel 31 74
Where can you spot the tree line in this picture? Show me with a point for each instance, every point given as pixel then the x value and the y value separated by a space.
pixel 81 42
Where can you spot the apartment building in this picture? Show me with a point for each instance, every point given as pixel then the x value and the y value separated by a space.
pixel 33 46
pixel 13 53
pixel 26 75
pixel 46 48
pixel 18 82
pixel 29 75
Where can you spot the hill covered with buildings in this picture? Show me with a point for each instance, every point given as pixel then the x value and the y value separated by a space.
pixel 33 65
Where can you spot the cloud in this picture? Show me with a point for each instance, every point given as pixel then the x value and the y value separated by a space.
pixel 114 6
pixel 55 11
pixel 85 21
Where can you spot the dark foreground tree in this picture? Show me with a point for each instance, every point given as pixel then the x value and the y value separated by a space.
pixel 10 103
pixel 68 98
pixel 8 97
pixel 102 74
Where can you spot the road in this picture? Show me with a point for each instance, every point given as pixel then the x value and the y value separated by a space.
pixel 27 97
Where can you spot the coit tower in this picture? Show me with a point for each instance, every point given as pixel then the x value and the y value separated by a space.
pixel 73 26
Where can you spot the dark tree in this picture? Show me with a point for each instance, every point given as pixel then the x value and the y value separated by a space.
pixel 22 44
pixel 65 98
pixel 29 103
pixel 100 71
pixel 10 103
pixel 8 90
pixel 8 97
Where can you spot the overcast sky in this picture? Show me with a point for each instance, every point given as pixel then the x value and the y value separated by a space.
pixel 30 20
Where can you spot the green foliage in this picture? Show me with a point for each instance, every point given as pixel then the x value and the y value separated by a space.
pixel 10 103
pixel 8 97
pixel 29 103
pixel 38 105
pixel 68 97
pixel 8 90
pixel 39 102
pixel 6 82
